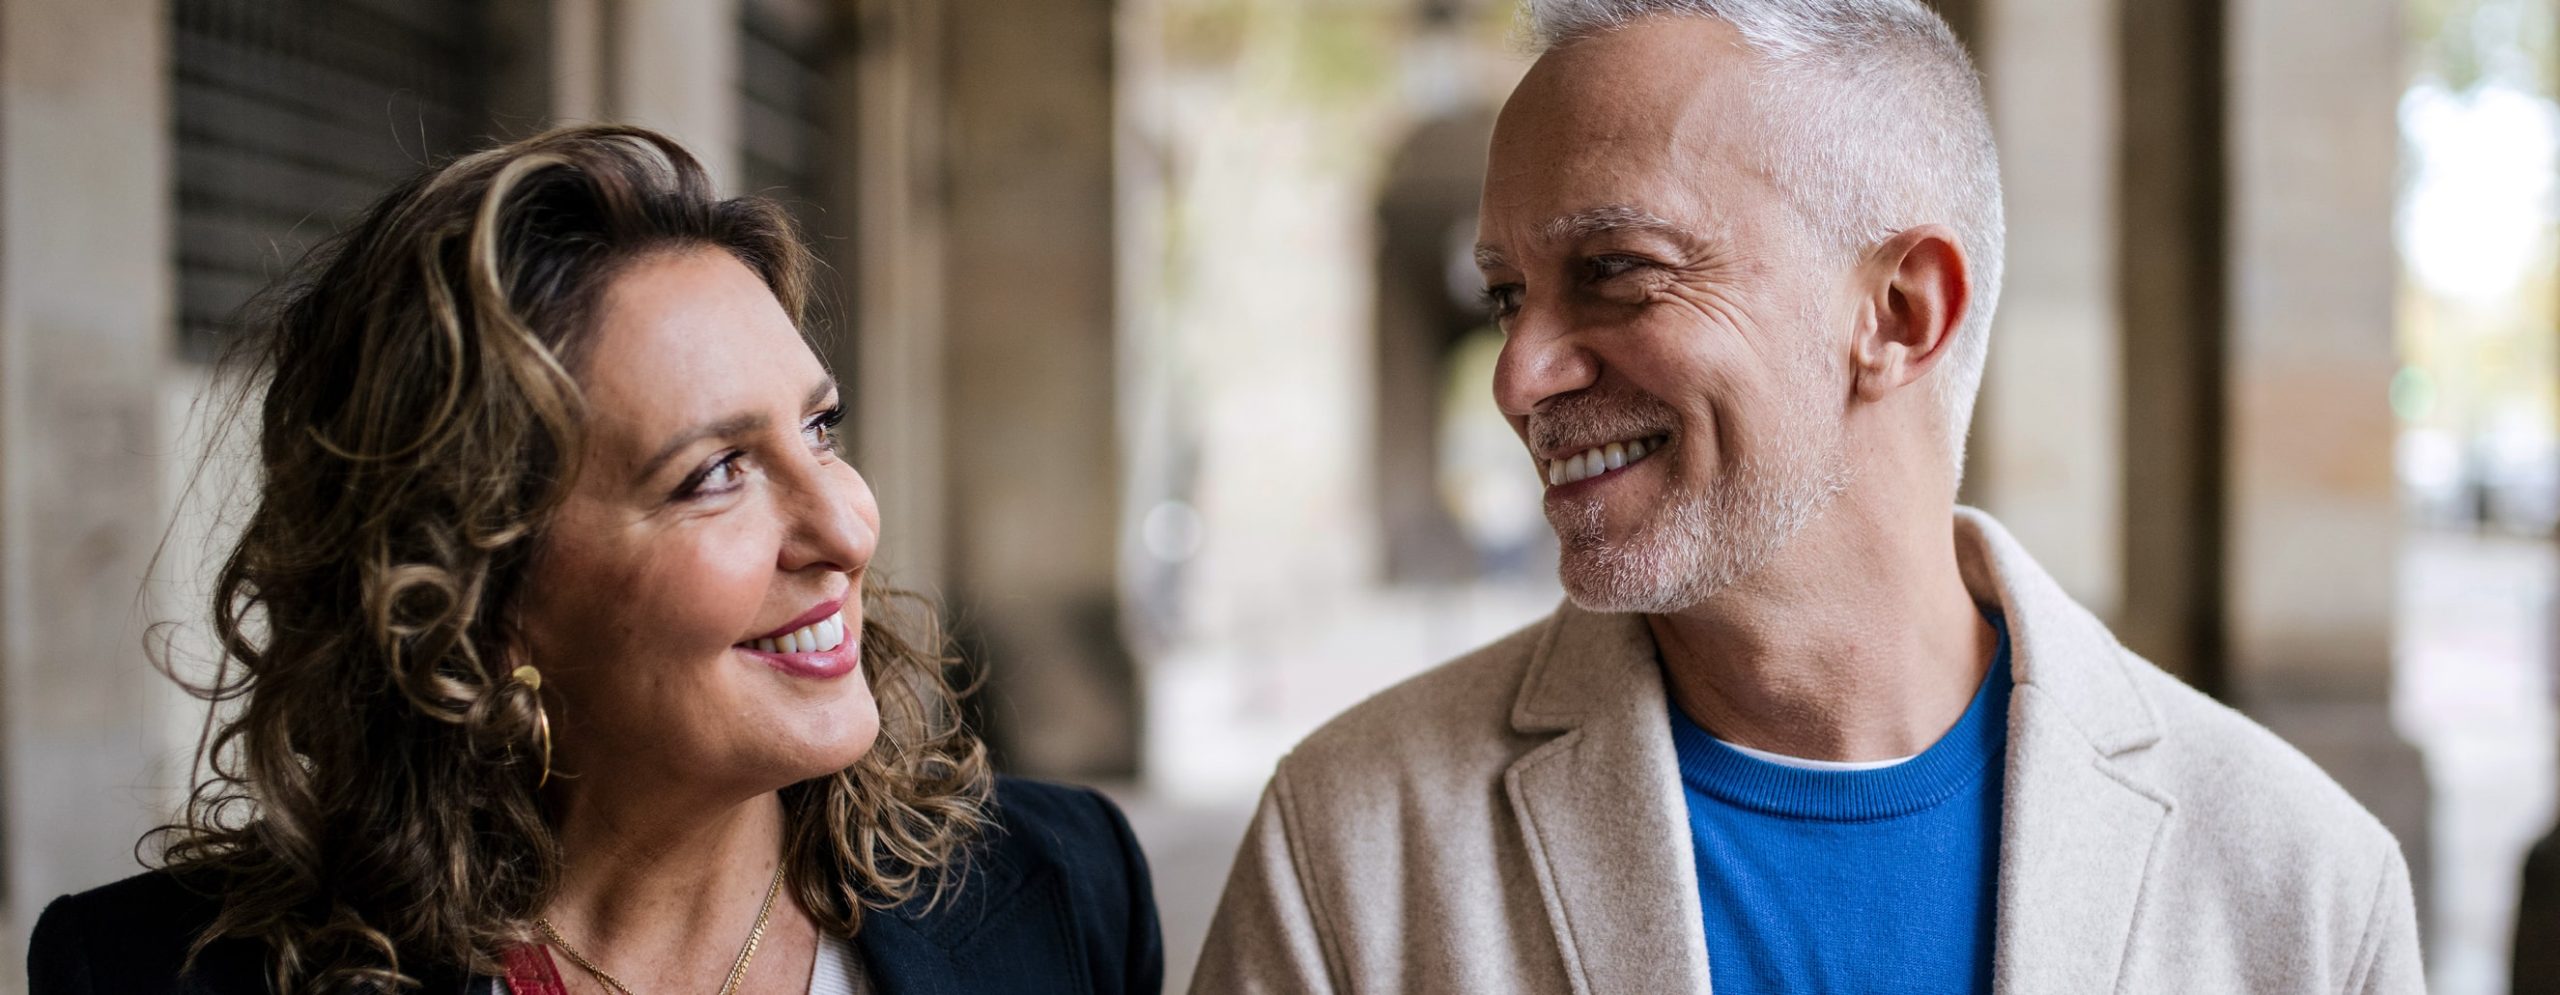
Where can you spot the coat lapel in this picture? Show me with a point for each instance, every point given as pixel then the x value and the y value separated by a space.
pixel 2076 840
pixel 1601 811
pixel 2078 829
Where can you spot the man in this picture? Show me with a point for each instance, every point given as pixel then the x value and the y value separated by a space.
pixel 1805 726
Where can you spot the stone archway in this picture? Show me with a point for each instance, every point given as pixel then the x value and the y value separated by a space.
pixel 1426 219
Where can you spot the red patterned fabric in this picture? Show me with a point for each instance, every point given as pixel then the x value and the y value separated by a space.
pixel 530 971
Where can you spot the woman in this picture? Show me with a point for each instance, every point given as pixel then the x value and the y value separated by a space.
pixel 551 664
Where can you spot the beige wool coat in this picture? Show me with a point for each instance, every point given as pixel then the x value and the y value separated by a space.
pixel 1513 822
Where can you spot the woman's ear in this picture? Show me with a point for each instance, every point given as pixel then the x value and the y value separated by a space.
pixel 1921 290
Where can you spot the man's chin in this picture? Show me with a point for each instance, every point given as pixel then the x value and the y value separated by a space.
pixel 1616 580
pixel 1587 526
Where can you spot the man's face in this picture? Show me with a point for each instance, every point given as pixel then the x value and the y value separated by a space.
pixel 1665 307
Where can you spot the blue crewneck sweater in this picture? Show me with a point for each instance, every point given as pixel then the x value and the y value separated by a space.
pixel 1851 881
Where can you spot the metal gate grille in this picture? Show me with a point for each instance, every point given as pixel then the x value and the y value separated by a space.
pixel 293 114
pixel 791 61
pixel 785 60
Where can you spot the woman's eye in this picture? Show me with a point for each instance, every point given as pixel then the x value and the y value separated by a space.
pixel 822 429
pixel 716 478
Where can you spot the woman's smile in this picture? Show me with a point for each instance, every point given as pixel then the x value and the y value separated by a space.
pixel 817 644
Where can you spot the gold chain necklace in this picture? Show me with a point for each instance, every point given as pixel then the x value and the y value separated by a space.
pixel 737 971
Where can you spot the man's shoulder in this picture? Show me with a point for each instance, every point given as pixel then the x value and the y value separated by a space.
pixel 2246 795
pixel 2262 852
pixel 1454 717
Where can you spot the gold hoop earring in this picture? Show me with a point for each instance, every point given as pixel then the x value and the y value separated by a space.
pixel 532 681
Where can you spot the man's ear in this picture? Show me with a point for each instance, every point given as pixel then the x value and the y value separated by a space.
pixel 1920 292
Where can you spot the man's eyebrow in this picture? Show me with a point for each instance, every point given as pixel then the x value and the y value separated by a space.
pixel 1609 219
pixel 1612 218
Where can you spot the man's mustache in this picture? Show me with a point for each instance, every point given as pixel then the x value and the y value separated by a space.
pixel 1586 418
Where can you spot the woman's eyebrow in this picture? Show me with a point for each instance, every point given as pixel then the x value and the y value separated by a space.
pixel 726 428
pixel 745 423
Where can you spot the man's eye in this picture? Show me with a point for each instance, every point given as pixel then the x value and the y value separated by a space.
pixel 1500 300
pixel 1606 267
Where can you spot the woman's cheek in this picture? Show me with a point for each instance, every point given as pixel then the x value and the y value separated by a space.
pixel 719 583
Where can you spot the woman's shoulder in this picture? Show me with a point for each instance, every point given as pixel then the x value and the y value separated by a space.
pixel 1038 829
pixel 1068 820
pixel 1056 885
pixel 133 936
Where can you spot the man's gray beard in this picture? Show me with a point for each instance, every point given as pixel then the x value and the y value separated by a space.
pixel 1699 543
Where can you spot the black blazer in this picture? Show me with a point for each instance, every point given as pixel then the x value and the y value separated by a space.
pixel 1057 900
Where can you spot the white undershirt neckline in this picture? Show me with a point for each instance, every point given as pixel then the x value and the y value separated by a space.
pixel 838 970
pixel 1801 763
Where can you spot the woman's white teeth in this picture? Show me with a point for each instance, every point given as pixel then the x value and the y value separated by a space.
pixel 816 637
pixel 1598 460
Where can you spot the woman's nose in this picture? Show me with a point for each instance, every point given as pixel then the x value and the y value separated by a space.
pixel 835 523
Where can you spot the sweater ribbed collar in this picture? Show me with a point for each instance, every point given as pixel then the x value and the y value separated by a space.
pixel 1958 761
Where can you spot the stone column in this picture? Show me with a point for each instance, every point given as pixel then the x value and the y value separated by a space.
pixel 2047 453
pixel 2311 503
pixel 1426 209
pixel 897 197
pixel 2171 269
pixel 675 69
pixel 671 65
pixel 85 339
pixel 1031 367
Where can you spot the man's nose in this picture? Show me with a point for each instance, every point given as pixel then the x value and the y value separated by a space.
pixel 1540 360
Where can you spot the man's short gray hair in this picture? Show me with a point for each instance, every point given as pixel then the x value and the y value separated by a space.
pixel 1878 124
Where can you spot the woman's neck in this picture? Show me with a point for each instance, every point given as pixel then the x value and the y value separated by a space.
pixel 663 895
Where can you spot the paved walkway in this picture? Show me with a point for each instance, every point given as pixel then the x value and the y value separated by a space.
pixel 2474 694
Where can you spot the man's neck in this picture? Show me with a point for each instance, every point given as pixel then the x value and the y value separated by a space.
pixel 1857 642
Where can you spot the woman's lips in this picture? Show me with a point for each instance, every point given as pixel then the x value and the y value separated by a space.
pixel 807 618
pixel 821 645
pixel 826 664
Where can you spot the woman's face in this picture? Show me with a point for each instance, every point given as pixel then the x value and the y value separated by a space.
pixel 696 607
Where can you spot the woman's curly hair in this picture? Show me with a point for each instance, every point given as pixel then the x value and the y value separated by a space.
pixel 366 805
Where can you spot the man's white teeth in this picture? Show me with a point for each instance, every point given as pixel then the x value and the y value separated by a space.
pixel 1598 460
pixel 816 637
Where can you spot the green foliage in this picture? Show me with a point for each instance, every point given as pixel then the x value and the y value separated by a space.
pixel 1328 54
pixel 2465 43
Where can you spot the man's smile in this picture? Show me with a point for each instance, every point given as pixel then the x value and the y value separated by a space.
pixel 1601 459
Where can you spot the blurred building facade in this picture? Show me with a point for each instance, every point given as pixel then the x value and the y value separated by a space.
pixel 1156 315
